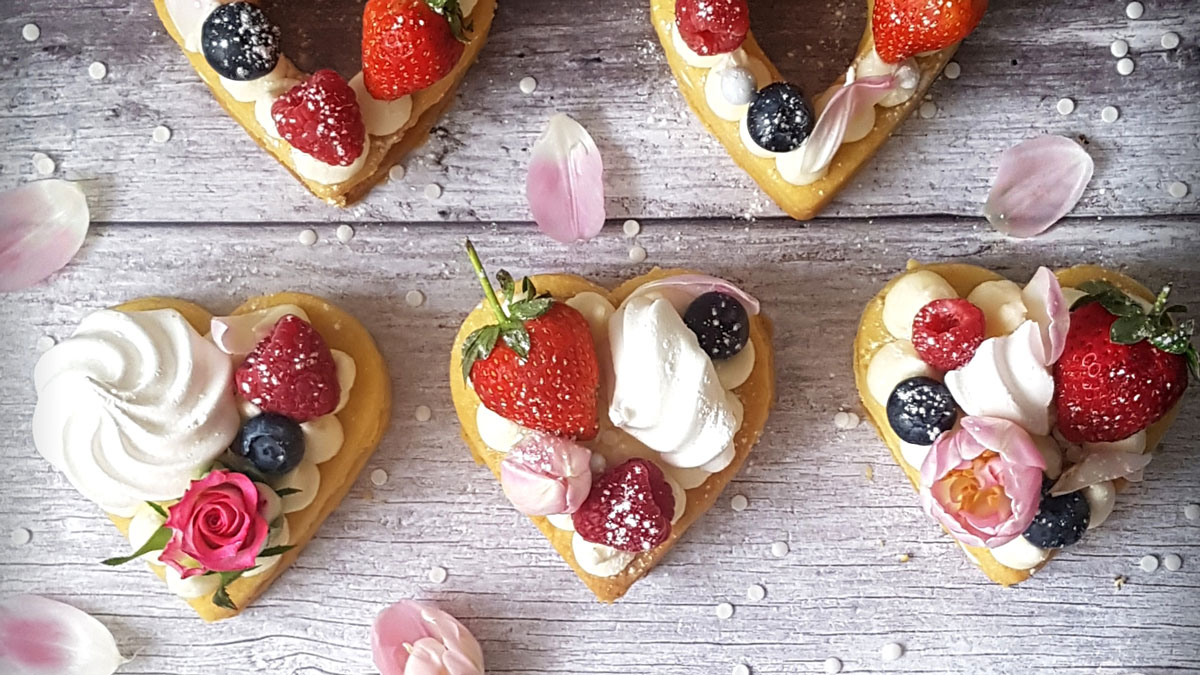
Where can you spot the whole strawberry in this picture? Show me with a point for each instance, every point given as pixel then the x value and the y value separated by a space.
pixel 291 372
pixel 537 365
pixel 409 44
pixel 629 508
pixel 1123 367
pixel 321 117
pixel 905 28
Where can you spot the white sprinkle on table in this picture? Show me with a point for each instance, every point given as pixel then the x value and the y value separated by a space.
pixel 631 228
pixel 307 237
pixel 1065 106
pixel 20 536
pixel 44 343
pixel 1170 40
pixel 739 503
pixel 1135 10
pixel 845 421
pixel 1179 190
pixel 31 32
pixel 1119 48
pixel 833 666
pixel 1191 511
pixel 423 413
pixel 396 172
pixel 345 233
pixel 637 254
pixel 1148 563
pixel 756 593
pixel 953 70
pixel 433 191
pixel 741 669
pixel 724 610
pixel 437 574
pixel 1110 114
pixel 779 549
pixel 527 85
pixel 43 164
pixel 379 477
pixel 414 298
pixel 161 134
pixel 1125 66
pixel 97 70
pixel 928 110
pixel 892 651
pixel 1172 562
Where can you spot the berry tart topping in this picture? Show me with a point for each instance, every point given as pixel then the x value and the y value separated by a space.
pixel 904 28
pixel 271 443
pixel 321 117
pixel 629 508
pixel 1060 521
pixel 291 372
pixel 240 42
pixel 537 364
pixel 779 118
pixel 720 323
pixel 920 409
pixel 711 27
pixel 1123 368
pixel 947 332
pixel 409 44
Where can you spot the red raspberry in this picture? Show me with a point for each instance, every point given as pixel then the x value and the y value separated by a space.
pixel 321 117
pixel 947 332
pixel 629 508
pixel 291 372
pixel 712 27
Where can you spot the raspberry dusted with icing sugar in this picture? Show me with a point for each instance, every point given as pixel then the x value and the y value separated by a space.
pixel 291 372
pixel 629 508
pixel 947 332
pixel 710 27
pixel 321 117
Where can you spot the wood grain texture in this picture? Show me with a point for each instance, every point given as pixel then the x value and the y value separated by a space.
pixel 600 62
pixel 840 592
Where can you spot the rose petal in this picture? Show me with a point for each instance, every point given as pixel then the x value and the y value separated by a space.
pixel 39 636
pixel 843 106
pixel 42 226
pixel 1046 305
pixel 1039 181
pixel 681 289
pixel 1100 466
pixel 545 475
pixel 565 185
pixel 409 638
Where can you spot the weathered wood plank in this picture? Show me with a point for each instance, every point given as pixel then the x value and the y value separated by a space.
pixel 840 592
pixel 600 62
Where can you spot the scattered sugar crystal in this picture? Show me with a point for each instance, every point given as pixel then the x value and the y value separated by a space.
pixel 423 413
pixel 833 666
pixel 1178 190
pixel 756 593
pixel 779 549
pixel 31 32
pixel 414 298
pixel 1135 10
pixel 1119 48
pixel 724 610
pixel 20 536
pixel 43 164
pixel 1110 114
pixel 97 70
pixel 637 254
pixel 1170 40
pixel 437 574
pixel 345 233
pixel 396 172
pixel 379 477
pixel 1148 563
pixel 1125 66
pixel 433 191
pixel 527 85
pixel 953 70
pixel 892 651
pixel 739 503
pixel 631 228
pixel 308 237
pixel 1065 106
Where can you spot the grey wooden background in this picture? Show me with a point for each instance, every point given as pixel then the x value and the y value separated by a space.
pixel 207 217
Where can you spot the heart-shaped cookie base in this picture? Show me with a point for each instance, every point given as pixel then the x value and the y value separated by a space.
pixel 756 394
pixel 364 420
pixel 873 335
pixel 801 202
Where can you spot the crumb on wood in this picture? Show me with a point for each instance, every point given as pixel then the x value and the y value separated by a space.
pixel 870 472
pixel 1119 582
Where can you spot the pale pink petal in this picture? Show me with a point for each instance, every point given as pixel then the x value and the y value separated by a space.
pixel 42 226
pixel 1046 305
pixel 565 185
pixel 1007 439
pixel 1099 466
pixel 39 636
pixel 545 475
pixel 680 290
pixel 1039 181
pixel 411 638
pixel 843 106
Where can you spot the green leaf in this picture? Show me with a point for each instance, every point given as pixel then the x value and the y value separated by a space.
pixel 274 550
pixel 1175 309
pixel 1129 330
pixel 156 542
pixel 1193 361
pixel 507 286
pixel 1160 302
pixel 284 492
pixel 530 309
pixel 221 597
pixel 158 509
pixel 478 345
pixel 517 339
pixel 1177 340
pixel 453 14
pixel 528 288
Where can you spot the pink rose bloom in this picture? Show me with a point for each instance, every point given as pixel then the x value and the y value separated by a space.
pixel 218 523
pixel 410 638
pixel 546 474
pixel 983 482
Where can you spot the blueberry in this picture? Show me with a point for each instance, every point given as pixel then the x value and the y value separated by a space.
pixel 1060 521
pixel 239 42
pixel 920 409
pixel 737 85
pixel 720 324
pixel 780 119
pixel 273 444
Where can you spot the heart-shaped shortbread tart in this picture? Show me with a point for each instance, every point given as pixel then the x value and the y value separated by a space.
pixel 802 180
pixel 1009 313
pixel 756 394
pixel 394 128
pixel 362 418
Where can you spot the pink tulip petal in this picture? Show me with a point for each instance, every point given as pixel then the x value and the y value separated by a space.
pixel 681 289
pixel 843 106
pixel 39 636
pixel 1046 305
pixel 1039 181
pixel 1100 466
pixel 565 185
pixel 42 226
pixel 545 475
pixel 410 638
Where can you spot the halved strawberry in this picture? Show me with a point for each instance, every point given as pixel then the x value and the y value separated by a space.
pixel 291 372
pixel 629 508
pixel 409 44
pixel 905 28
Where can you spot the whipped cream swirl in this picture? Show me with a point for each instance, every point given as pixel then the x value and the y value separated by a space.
pixel 133 406
pixel 1007 378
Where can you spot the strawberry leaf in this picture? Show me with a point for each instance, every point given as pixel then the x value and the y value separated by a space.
pixel 517 339
pixel 479 345
pixel 454 17
pixel 530 309
pixel 507 286
pixel 1129 330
